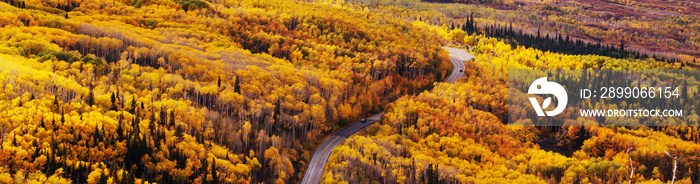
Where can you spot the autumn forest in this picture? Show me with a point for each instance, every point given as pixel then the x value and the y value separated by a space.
pixel 244 91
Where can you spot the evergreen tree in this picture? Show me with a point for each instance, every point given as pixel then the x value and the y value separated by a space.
pixel 171 120
pixel 114 102
pixel 215 176
pixel 133 105
pixel 96 135
pixel 179 131
pixel 277 111
pixel 237 85
pixel 90 98
pixel 218 82
pixel 204 171
pixel 63 117
pixel 103 178
pixel 120 130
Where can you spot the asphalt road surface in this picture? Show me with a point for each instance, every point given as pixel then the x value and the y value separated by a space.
pixel 318 160
pixel 458 57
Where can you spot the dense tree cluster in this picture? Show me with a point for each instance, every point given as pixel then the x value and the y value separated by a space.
pixel 655 28
pixel 561 44
pixel 168 91
pixel 18 4
pixel 455 134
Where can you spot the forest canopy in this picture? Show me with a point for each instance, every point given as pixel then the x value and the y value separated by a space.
pixel 458 133
pixel 123 91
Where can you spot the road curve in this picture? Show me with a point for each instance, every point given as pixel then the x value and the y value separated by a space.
pixel 318 160
pixel 458 57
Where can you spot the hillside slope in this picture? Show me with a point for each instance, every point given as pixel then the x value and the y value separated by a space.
pixel 194 91
pixel 457 133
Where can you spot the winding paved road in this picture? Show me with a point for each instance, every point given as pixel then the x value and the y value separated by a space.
pixel 458 57
pixel 318 160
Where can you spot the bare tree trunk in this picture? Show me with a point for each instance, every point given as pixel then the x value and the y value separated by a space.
pixel 631 165
pixel 675 166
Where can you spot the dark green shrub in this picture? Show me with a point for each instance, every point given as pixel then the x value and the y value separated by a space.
pixel 57 55
pixel 192 4
pixel 149 23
